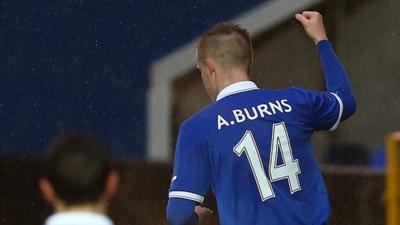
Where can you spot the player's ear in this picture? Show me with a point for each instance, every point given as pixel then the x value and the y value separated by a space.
pixel 48 193
pixel 111 184
pixel 211 66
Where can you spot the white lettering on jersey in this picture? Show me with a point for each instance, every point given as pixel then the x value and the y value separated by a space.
pixel 251 117
pixel 286 104
pixel 263 108
pixel 239 116
pixel 255 112
pixel 221 121
pixel 276 106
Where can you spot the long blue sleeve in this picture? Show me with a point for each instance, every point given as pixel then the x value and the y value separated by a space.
pixel 336 78
pixel 181 212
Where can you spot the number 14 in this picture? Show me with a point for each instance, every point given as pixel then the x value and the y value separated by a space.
pixel 288 170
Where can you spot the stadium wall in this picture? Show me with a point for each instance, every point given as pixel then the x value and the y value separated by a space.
pixel 367 36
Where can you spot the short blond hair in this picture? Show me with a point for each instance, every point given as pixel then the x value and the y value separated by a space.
pixel 228 44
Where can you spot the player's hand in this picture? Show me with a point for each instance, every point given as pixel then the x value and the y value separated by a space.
pixel 313 25
pixel 203 213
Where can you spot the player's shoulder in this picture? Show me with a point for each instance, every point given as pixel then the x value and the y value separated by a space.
pixel 295 90
pixel 286 91
pixel 297 95
pixel 201 119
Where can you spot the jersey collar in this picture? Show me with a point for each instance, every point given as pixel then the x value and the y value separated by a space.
pixel 78 218
pixel 236 88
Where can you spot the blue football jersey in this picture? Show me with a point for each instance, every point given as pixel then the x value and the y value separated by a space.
pixel 252 148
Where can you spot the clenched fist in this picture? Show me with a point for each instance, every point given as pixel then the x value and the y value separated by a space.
pixel 313 25
pixel 204 214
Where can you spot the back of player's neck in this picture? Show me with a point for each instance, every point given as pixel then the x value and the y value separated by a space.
pixel 229 82
pixel 98 207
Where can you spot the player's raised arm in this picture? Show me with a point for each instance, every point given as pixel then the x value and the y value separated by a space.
pixel 336 78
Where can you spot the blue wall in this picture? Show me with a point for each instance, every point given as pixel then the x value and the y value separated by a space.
pixel 83 65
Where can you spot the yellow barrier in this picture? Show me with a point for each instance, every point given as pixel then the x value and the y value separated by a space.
pixel 393 179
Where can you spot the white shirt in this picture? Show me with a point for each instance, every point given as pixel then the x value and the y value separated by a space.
pixel 235 88
pixel 78 218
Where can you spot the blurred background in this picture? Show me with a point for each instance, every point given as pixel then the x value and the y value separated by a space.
pixel 124 70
